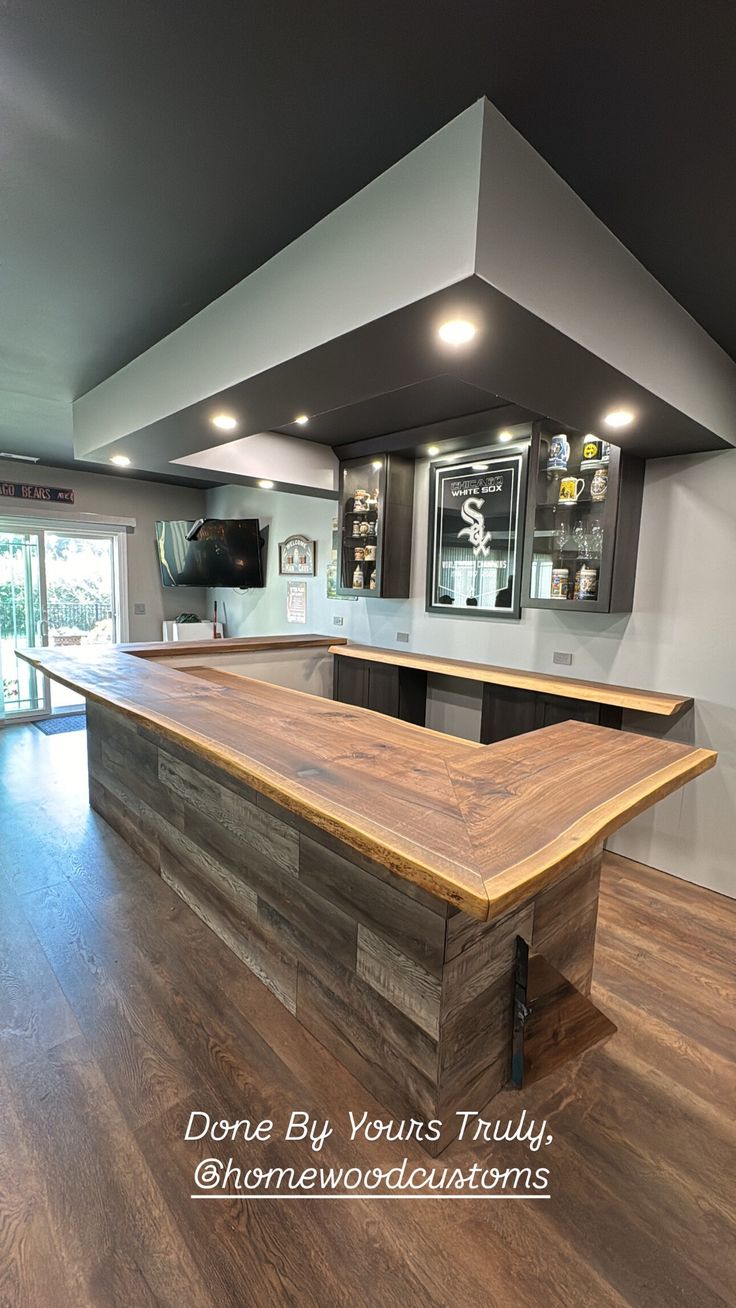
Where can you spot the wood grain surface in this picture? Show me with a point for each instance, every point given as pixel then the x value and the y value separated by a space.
pixel 418 1004
pixel 228 645
pixel 121 1012
pixel 482 828
pixel 562 1022
pixel 598 692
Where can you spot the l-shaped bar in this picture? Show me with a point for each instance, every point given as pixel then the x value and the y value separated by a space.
pixel 423 905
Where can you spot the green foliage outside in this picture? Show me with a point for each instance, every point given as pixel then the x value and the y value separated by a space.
pixel 77 574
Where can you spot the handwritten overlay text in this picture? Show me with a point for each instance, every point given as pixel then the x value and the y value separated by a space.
pixel 254 1177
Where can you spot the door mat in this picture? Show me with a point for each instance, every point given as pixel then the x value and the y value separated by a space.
pixel 57 726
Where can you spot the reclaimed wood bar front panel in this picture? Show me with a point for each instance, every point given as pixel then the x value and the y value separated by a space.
pixel 412 996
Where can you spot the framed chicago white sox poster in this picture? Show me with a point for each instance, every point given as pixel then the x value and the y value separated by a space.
pixel 475 534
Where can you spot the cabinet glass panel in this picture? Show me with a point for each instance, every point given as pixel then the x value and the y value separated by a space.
pixel 362 495
pixel 573 524
pixel 474 516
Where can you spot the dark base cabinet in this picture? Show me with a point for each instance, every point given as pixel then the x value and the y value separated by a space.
pixel 508 711
pixel 399 692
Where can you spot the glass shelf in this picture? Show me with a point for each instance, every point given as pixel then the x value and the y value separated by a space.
pixel 362 498
pixel 573 528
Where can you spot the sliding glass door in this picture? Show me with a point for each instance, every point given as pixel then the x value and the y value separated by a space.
pixel 22 691
pixel 62 587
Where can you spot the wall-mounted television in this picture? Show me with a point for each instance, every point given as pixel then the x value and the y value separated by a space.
pixel 210 552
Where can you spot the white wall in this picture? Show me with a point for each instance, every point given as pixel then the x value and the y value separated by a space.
pixel 121 497
pixel 681 637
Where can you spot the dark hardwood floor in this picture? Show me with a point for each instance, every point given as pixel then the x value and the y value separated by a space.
pixel 120 1012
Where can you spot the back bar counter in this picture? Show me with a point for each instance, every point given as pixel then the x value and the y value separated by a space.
pixel 424 905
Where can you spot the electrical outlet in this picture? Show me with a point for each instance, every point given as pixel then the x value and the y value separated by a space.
pixel 560 657
pixel 403 636
pixel 337 622
pixel 139 610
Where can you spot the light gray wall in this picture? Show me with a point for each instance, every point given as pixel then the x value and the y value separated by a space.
pixel 263 612
pixel 122 497
pixel 544 248
pixel 681 637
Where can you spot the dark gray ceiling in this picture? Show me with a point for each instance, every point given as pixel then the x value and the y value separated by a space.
pixel 155 152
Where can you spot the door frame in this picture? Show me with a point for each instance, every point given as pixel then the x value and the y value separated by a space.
pixel 83 526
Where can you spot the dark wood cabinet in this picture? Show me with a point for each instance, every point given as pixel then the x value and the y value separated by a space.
pixel 375 526
pixel 509 711
pixel 513 701
pixel 582 523
pixel 385 688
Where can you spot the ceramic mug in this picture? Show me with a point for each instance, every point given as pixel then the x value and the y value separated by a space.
pixel 560 583
pixel 599 485
pixel 370 553
pixel 359 554
pixel 592 452
pixel 586 583
pixel 570 489
pixel 365 528
pixel 606 452
pixel 559 453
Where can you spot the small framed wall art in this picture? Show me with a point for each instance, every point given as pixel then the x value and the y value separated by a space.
pixel 297 556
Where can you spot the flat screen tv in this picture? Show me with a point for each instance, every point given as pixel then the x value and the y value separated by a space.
pixel 221 552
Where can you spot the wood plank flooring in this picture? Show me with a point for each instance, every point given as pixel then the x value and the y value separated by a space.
pixel 120 1012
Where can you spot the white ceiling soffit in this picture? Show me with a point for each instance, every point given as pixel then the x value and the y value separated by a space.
pixel 299 463
pixel 473 200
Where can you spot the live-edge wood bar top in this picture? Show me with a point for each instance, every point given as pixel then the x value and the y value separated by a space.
pixel 480 828
pixel 230 645
pixel 596 692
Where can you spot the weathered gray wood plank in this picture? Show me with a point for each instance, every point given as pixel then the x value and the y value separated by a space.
pixel 400 979
pixel 256 828
pixel 374 903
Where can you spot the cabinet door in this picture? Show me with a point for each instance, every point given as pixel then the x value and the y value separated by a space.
pixel 508 711
pixel 557 708
pixel 383 689
pixel 583 511
pixel 351 681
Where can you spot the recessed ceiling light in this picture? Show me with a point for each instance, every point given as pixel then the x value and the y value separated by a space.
pixel 618 418
pixel 458 331
pixel 266 485
pixel 376 465
pixel 480 467
pixel 224 422
pixel 120 460
pixel 302 420
pixel 505 436
pixel 432 450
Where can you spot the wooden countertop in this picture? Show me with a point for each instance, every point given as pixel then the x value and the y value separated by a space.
pixel 597 692
pixel 230 644
pixel 480 827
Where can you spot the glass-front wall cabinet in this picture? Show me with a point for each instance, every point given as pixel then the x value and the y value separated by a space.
pixel 375 526
pixel 582 528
